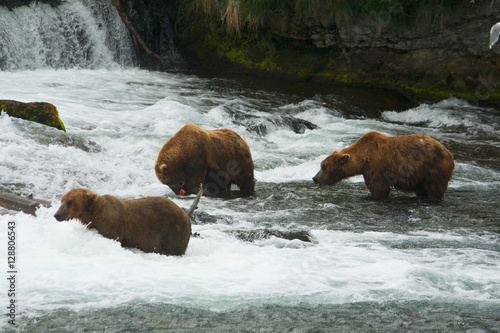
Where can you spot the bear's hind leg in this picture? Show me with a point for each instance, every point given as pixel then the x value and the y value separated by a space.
pixel 246 183
pixel 435 191
pixel 381 193
pixel 247 191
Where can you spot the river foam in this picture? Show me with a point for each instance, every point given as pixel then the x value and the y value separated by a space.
pixel 400 250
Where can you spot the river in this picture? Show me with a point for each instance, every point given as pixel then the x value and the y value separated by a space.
pixel 292 258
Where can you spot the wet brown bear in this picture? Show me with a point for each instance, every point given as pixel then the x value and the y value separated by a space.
pixel 152 224
pixel 414 162
pixel 216 158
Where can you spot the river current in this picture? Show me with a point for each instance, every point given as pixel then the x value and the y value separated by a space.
pixel 292 258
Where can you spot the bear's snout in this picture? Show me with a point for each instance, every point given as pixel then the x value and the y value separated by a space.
pixel 318 179
pixel 60 215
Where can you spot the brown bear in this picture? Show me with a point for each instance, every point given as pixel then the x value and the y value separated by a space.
pixel 414 162
pixel 152 224
pixel 216 158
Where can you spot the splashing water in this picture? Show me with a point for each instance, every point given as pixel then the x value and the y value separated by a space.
pixel 82 34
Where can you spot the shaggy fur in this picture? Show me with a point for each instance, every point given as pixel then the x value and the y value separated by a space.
pixel 152 224
pixel 414 162
pixel 216 158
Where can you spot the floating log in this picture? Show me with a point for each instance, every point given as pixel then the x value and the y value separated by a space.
pixel 28 205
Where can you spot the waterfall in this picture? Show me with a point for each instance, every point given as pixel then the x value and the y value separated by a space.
pixel 75 34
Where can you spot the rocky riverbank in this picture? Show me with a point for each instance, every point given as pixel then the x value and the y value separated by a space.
pixel 427 49
pixel 428 52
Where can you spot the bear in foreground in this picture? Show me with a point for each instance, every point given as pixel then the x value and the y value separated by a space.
pixel 414 162
pixel 153 224
pixel 216 158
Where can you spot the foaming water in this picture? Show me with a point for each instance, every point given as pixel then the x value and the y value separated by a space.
pixel 220 272
pixel 452 114
pixel 385 256
pixel 77 33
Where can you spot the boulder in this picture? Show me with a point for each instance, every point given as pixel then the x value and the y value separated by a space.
pixel 43 113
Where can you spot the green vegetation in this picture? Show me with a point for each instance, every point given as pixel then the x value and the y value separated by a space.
pixel 43 113
pixel 238 53
pixel 254 16
pixel 275 37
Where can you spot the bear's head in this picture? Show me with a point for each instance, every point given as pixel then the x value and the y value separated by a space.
pixel 333 169
pixel 170 175
pixel 178 175
pixel 75 204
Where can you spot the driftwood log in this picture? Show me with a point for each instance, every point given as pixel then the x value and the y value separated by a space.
pixel 28 205
pixel 136 37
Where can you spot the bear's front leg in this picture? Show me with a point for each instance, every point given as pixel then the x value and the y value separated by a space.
pixel 378 187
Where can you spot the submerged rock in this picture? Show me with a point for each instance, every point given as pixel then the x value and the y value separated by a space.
pixel 40 112
pixel 254 235
pixel 297 125
pixel 204 218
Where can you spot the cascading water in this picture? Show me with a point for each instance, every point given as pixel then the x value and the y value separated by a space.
pixel 76 34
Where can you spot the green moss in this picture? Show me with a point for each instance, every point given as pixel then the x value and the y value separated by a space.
pixel 238 53
pixel 276 56
pixel 421 91
pixel 43 113
pixel 256 16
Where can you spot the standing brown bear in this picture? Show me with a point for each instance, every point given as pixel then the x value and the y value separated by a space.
pixel 216 158
pixel 153 224
pixel 414 162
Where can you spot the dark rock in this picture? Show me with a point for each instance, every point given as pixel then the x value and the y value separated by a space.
pixel 151 31
pixel 429 52
pixel 204 218
pixel 254 235
pixel 43 113
pixel 18 3
pixel 297 125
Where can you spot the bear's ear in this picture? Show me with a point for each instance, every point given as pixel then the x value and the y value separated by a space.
pixel 335 152
pixel 163 168
pixel 91 196
pixel 344 158
pixel 94 196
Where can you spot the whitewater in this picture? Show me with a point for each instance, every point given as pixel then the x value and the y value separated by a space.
pixel 401 264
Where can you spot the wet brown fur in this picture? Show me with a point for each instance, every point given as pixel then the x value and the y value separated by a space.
pixel 414 162
pixel 153 224
pixel 216 158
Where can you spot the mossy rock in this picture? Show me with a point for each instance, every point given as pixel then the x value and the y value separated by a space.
pixel 43 113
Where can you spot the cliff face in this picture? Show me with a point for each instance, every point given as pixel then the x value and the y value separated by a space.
pixel 434 54
pixel 444 54
pixel 434 57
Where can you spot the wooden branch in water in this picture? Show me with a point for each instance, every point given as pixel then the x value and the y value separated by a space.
pixel 135 35
pixel 29 205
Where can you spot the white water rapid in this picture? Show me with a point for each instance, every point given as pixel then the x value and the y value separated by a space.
pixel 82 34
